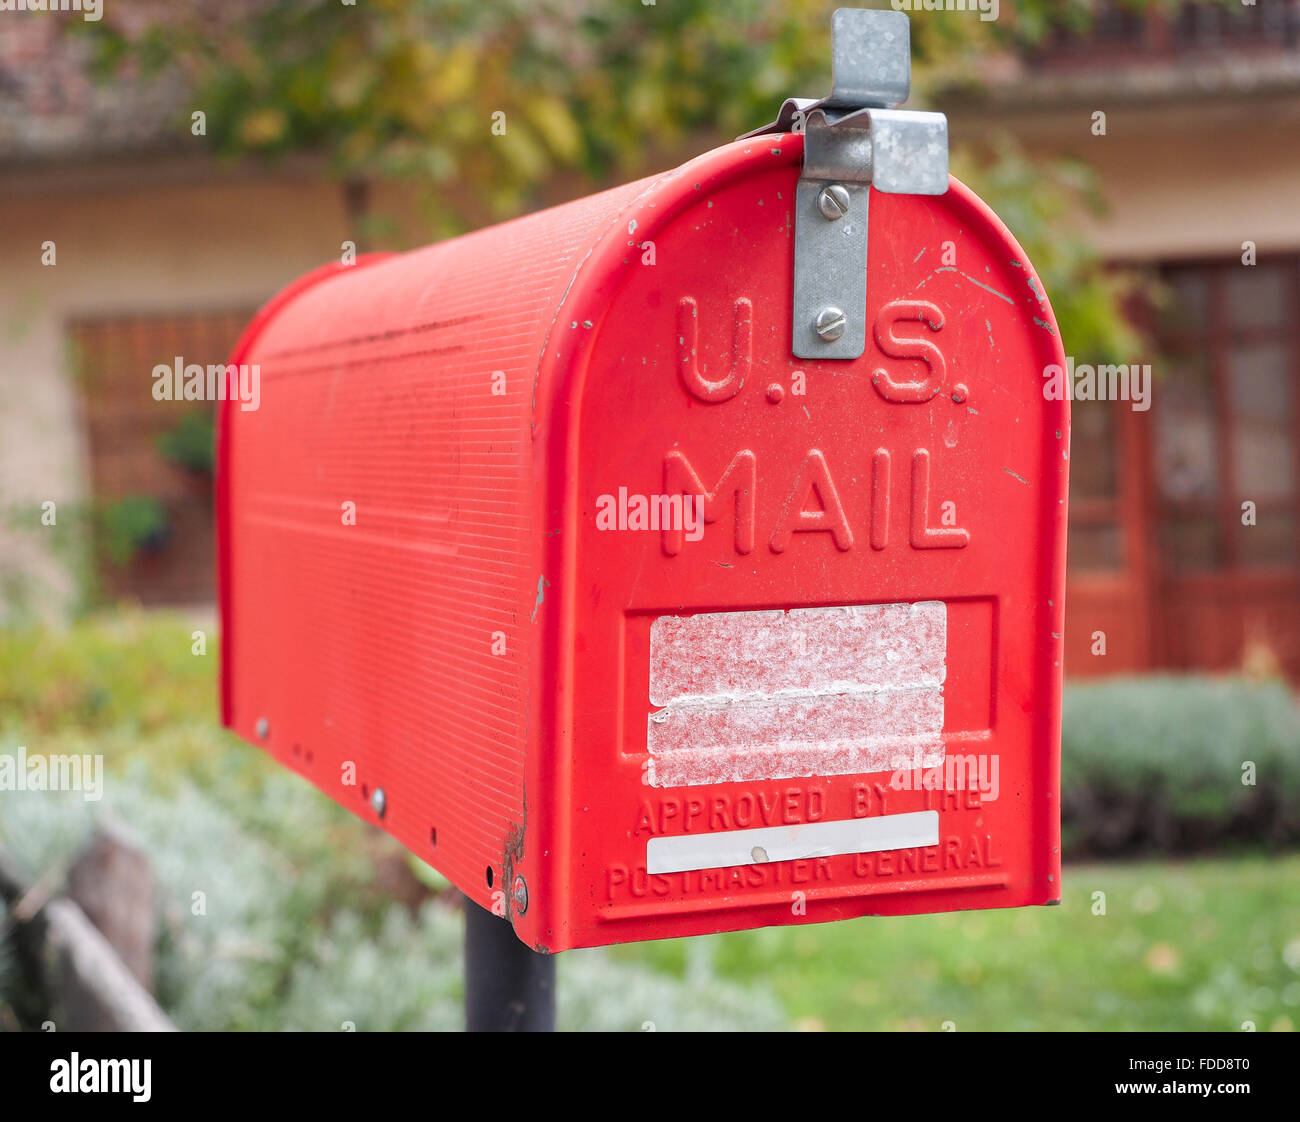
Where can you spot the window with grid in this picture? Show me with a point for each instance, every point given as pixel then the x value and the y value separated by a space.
pixel 1095 538
pixel 1224 415
pixel 114 358
pixel 1229 24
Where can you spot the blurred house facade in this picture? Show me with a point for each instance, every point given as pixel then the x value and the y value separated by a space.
pixel 161 252
pixel 158 251
pixel 1200 155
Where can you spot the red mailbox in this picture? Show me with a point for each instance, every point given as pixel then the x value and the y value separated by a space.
pixel 686 558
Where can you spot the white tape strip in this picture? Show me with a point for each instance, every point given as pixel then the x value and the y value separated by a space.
pixel 814 650
pixel 686 852
pixel 785 738
pixel 782 695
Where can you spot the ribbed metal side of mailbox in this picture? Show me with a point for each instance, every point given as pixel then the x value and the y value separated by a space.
pixel 392 652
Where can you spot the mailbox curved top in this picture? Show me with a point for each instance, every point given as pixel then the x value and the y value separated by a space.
pixel 570 258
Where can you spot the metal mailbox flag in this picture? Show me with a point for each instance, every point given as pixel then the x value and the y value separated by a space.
pixel 686 558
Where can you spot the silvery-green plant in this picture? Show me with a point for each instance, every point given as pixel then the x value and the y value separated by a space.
pixel 246 939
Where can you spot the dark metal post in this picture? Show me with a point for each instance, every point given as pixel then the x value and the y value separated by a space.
pixel 508 987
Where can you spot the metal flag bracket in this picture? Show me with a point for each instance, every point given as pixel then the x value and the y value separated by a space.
pixel 854 140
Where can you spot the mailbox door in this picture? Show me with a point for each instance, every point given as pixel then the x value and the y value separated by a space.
pixel 835 692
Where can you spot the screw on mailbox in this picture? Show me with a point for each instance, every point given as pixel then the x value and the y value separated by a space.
pixel 378 801
pixel 833 201
pixel 830 323
pixel 855 142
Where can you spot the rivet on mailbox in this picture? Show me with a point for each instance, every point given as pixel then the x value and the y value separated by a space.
pixel 692 552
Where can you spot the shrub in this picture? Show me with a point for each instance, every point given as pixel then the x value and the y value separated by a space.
pixel 190 443
pixel 129 525
pixel 1162 763
pixel 304 942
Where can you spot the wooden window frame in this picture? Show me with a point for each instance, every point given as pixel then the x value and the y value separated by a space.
pixel 1217 339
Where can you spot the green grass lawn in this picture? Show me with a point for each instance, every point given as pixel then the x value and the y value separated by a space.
pixel 1194 945
pixel 1204 944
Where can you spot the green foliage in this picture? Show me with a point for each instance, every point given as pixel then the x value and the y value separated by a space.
pixel 128 525
pixel 296 927
pixel 409 976
pixel 222 955
pixel 256 937
pixel 405 977
pixel 26 592
pixel 409 86
pixel 1041 201
pixel 609 991
pixel 190 443
pixel 124 670
pixel 1157 763
pixel 1182 946
pixel 408 89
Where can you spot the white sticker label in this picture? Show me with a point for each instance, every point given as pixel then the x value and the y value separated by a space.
pixel 686 852
pixel 783 695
